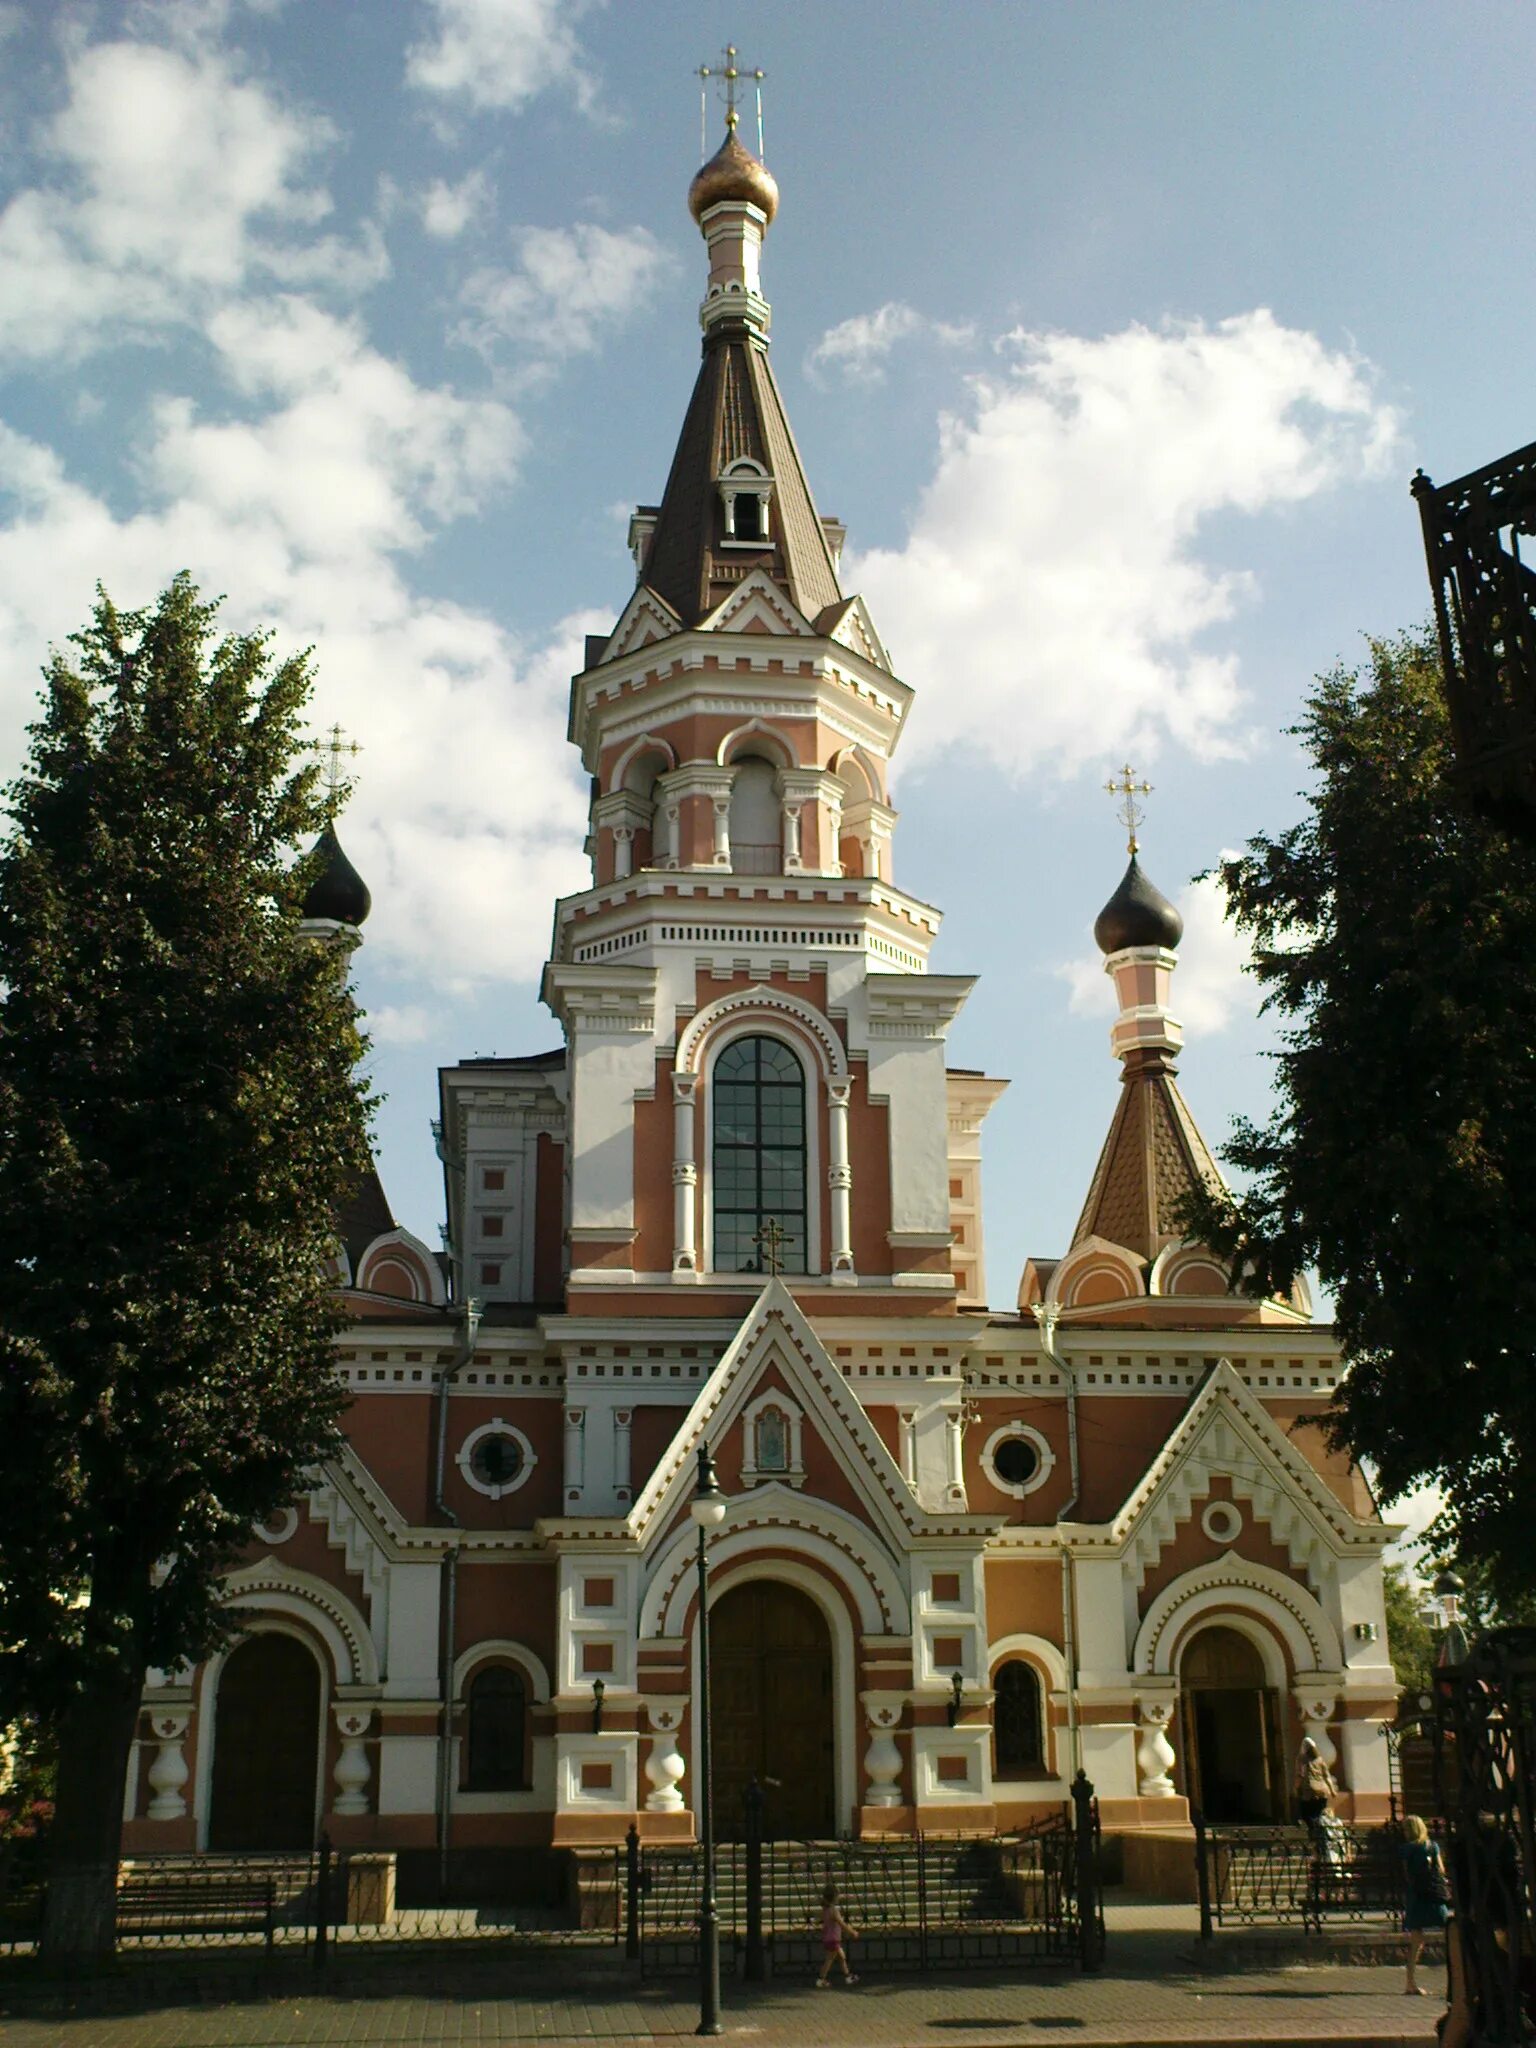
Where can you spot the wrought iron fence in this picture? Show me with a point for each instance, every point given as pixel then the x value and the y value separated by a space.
pixel 1292 1875
pixel 1486 1733
pixel 919 1902
pixel 342 1899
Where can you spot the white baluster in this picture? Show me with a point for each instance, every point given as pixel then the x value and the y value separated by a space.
pixel 665 1765
pixel 882 1759
pixel 1154 1754
pixel 840 1178
pixel 352 1772
pixel 168 1773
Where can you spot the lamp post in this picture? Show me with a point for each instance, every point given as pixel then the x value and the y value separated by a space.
pixel 1448 1589
pixel 708 1511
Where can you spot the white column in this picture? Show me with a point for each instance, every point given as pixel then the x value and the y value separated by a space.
pixel 832 826
pixel 721 807
pixel 168 1772
pixel 791 816
pixel 352 1773
pixel 954 1444
pixel 665 1765
pixel 575 1452
pixel 907 1418
pixel 685 1175
pixel 840 1180
pixel 1154 1752
pixel 882 1760
pixel 623 851
pixel 670 816
pixel 622 1418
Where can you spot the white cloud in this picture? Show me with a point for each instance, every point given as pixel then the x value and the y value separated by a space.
pixel 568 285
pixel 399 1024
pixel 173 180
pixel 1052 575
pixel 856 350
pixel 305 514
pixel 1210 983
pixel 447 210
pixel 500 53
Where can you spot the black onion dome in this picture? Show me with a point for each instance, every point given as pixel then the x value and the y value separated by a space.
pixel 1137 915
pixel 338 892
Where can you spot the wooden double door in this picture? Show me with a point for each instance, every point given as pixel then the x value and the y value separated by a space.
pixel 266 1736
pixel 771 1699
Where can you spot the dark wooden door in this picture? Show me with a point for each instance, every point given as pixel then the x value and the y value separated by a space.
pixel 771 1681
pixel 266 1735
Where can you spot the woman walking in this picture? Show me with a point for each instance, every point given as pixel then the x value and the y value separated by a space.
pixel 1426 1895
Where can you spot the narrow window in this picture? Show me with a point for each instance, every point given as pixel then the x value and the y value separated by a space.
pixel 773 1441
pixel 1016 1721
pixel 759 1156
pixel 751 523
pixel 498 1723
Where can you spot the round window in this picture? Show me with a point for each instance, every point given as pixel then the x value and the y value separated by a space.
pixel 496 1459
pixel 1017 1460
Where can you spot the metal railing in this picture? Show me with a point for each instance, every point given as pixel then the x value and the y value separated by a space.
pixel 1291 1875
pixel 919 1902
pixel 339 1899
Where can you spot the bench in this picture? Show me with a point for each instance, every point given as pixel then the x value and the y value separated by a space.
pixel 162 1904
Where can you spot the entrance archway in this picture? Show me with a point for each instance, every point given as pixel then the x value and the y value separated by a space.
pixel 1233 1761
pixel 266 1735
pixel 771 1691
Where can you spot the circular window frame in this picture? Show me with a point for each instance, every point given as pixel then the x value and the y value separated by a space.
pixel 277 1528
pixel 1222 1521
pixel 497 1426
pixel 1018 1489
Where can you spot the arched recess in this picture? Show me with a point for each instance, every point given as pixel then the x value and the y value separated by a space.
pixel 1050 1667
pixel 761 1009
pixel 1188 1269
pixel 400 1265
pixel 501 1649
pixel 1255 1598
pixel 756 829
pixel 1096 1272
pixel 860 788
pixel 297 1623
pixel 774 1516
pixel 635 776
pixel 761 740
pixel 268 1588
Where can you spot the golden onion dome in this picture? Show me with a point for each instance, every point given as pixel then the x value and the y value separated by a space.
pixel 733 172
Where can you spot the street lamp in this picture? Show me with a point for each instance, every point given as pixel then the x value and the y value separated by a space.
pixel 1448 1589
pixel 708 1511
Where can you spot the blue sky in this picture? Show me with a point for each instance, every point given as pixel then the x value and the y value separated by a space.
pixel 1113 332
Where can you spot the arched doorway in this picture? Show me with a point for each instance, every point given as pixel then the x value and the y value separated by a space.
pixel 1233 1764
pixel 771 1696
pixel 266 1735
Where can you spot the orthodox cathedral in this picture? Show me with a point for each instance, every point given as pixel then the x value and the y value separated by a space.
pixel 967 1551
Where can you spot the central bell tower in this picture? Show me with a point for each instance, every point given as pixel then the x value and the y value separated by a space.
pixel 754 1074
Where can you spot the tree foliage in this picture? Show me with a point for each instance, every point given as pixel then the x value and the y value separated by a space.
pixel 179 1122
pixel 1410 1639
pixel 1395 932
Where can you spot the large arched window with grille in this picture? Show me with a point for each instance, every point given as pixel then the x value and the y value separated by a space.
pixel 498 1731
pixel 1018 1736
pixel 758 1101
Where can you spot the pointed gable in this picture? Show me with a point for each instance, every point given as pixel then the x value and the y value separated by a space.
pixel 735 414
pixel 645 618
pixel 777 1350
pixel 850 624
pixel 757 606
pixel 1226 1431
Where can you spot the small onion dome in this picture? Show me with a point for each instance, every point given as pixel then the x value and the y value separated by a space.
pixel 733 172
pixel 338 893
pixel 1137 915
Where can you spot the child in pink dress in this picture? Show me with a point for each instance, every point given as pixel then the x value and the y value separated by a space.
pixel 834 1930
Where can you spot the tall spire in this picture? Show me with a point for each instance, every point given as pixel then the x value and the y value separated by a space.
pixel 737 499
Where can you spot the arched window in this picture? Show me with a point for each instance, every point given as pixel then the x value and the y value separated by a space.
pixel 1017 1734
pixel 758 1092
pixel 498 1731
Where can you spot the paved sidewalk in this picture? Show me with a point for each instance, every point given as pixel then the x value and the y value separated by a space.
pixel 1147 1994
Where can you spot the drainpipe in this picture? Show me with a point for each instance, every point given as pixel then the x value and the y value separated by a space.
pixel 450 1591
pixel 1046 1313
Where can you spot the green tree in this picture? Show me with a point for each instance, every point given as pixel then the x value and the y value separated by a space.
pixel 180 1119
pixel 1394 931
pixel 1409 1637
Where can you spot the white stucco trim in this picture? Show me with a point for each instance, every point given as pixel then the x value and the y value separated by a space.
pixel 502 1650
pixel 270 1588
pixel 1231 1589
pixel 776 1515
pixel 1034 1650
pixel 764 1004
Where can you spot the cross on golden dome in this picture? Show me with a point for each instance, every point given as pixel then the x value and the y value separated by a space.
pixel 1130 812
pixel 732 73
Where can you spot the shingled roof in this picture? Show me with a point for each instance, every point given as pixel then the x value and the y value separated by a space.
pixel 736 410
pixel 1152 1159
